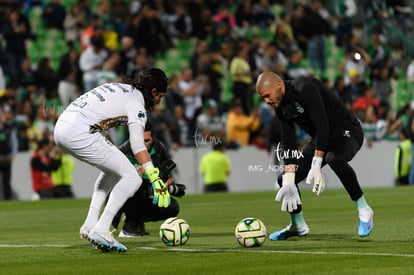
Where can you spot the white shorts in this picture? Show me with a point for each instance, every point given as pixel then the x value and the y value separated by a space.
pixel 74 138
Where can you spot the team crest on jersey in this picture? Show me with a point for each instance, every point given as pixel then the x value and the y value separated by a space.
pixel 299 108
pixel 141 115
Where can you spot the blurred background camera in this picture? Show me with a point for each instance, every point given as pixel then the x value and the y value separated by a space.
pixel 357 56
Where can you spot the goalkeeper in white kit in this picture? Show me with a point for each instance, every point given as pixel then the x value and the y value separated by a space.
pixel 80 131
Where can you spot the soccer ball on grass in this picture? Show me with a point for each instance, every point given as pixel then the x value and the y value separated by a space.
pixel 250 232
pixel 175 231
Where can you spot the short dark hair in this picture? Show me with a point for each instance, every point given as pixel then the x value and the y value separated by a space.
pixel 42 143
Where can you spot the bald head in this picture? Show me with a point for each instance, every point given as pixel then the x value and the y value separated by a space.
pixel 270 88
pixel 266 80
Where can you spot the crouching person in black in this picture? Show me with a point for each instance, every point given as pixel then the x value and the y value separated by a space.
pixel 139 208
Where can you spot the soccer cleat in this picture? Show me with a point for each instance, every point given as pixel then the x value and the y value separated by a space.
pixel 366 221
pixel 289 231
pixel 126 234
pixel 84 232
pixel 132 230
pixel 105 241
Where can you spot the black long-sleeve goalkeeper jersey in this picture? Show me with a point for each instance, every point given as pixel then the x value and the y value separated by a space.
pixel 309 104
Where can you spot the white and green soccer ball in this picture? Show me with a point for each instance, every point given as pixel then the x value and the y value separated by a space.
pixel 175 231
pixel 250 232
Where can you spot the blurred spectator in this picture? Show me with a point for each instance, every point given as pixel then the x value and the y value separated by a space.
pixel 90 62
pixel 209 124
pixel 283 34
pixel 93 29
pixel 363 102
pixel 163 125
pixel 73 23
pixel 120 13
pixel 225 16
pixel 54 15
pixel 103 13
pixel 135 6
pixel 375 48
pixel 215 71
pixel 285 27
pixel 315 28
pixel 382 84
pixel 70 77
pixel 23 120
pixel 16 30
pixel 150 33
pixel 373 125
pixel 85 9
pixel 173 96
pixel 181 132
pixel 274 60
pixel 9 97
pixel 127 55
pixel 266 114
pixel 107 73
pixel 139 63
pixel 8 149
pixel 410 131
pixel 42 125
pixel 46 77
pixel 296 67
pixel 216 168
pixel 402 159
pixel 345 13
pixel 242 77
pixel 274 136
pixel 342 93
pixel 262 14
pixel 244 16
pixel 355 60
pixel 201 16
pixel 43 161
pixel 191 90
pixel 356 85
pixel 239 126
pixel 259 139
pixel 26 73
pixel 62 178
pixel 200 49
pixel 2 82
pixel 133 28
pixel 296 22
pixel 221 34
pixel 183 26
pixel 410 72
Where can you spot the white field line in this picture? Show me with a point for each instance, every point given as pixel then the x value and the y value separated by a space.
pixel 278 251
pixel 194 250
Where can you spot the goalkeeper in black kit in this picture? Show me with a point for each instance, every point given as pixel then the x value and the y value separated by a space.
pixel 139 208
pixel 336 136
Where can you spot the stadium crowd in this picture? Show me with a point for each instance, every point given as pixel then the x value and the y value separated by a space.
pixel 222 47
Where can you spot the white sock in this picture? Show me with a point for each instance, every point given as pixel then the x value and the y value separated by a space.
pixel 98 199
pixel 123 190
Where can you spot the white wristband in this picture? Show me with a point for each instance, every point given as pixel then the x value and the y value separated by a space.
pixel 290 177
pixel 148 165
pixel 317 162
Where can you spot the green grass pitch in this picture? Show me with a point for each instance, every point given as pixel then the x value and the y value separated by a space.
pixel 42 238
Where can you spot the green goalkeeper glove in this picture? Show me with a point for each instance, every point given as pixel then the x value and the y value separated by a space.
pixel 161 195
